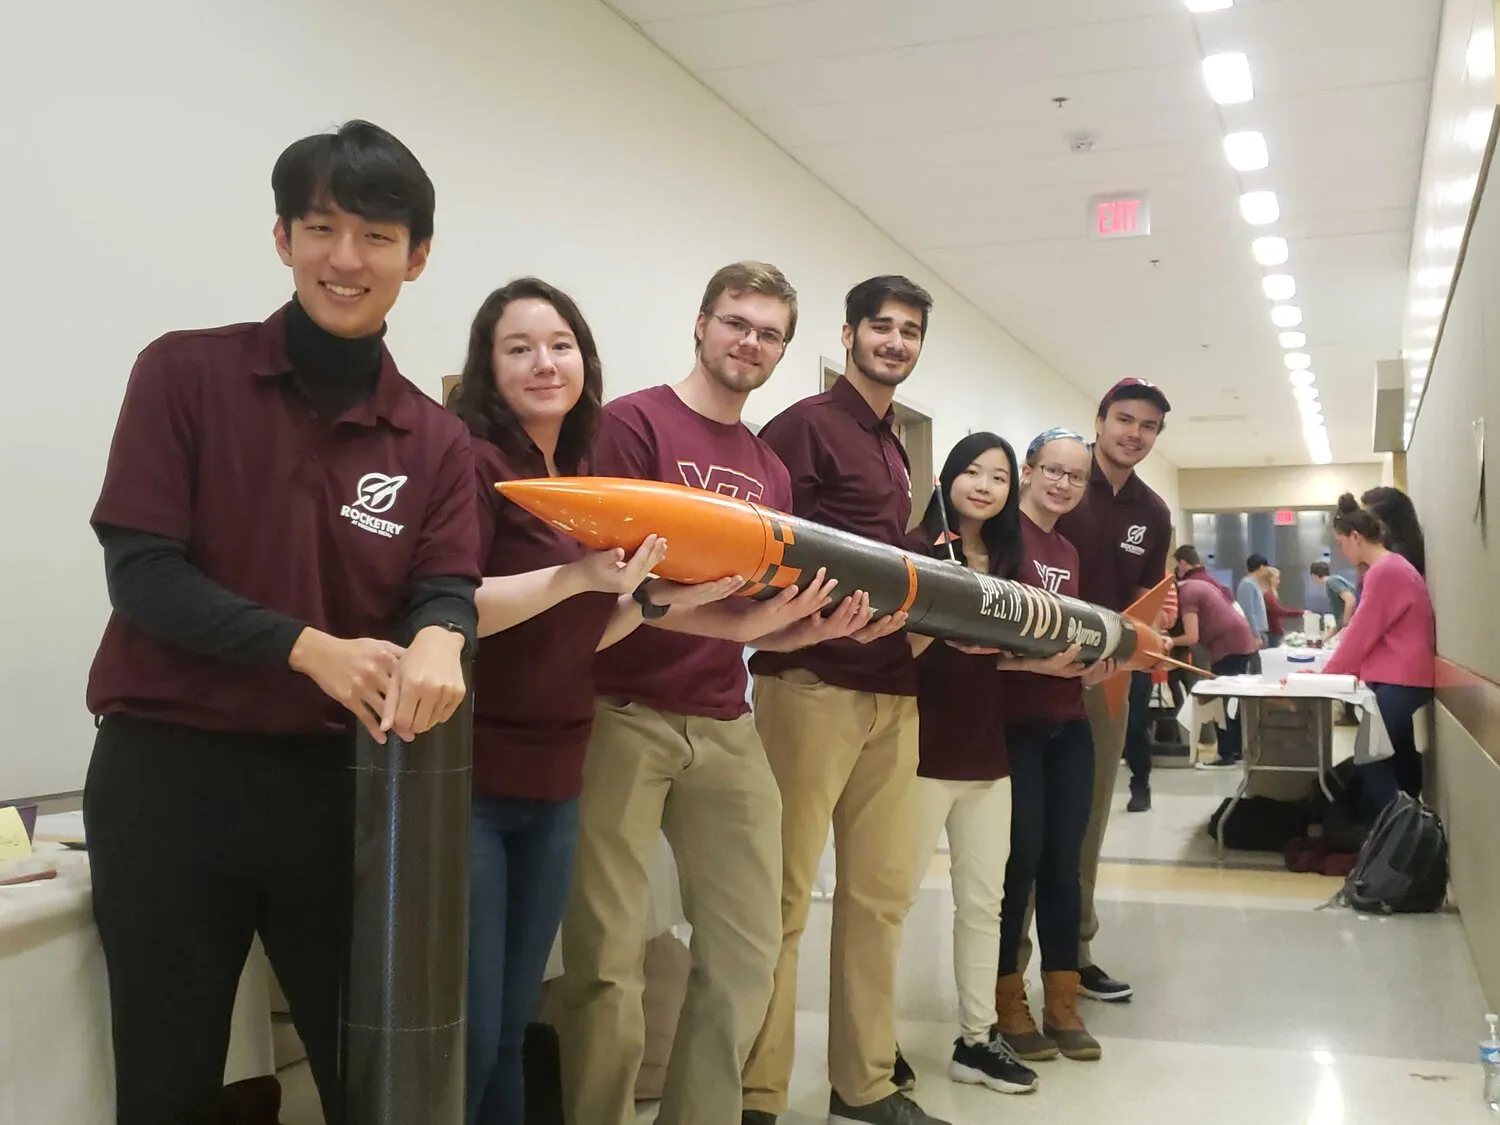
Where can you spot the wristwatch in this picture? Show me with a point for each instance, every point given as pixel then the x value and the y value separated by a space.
pixel 649 609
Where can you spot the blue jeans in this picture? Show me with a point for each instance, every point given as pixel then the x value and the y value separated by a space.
pixel 1381 781
pixel 521 862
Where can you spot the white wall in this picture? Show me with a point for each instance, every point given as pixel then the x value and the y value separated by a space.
pixel 1289 486
pixel 138 142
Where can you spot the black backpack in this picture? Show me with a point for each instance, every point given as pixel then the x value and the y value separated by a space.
pixel 1403 866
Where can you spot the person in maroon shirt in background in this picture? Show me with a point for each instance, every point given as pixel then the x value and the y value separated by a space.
pixel 1052 772
pixel 963 773
pixel 1211 618
pixel 1277 615
pixel 531 393
pixel 839 722
pixel 674 749
pixel 1122 530
pixel 289 539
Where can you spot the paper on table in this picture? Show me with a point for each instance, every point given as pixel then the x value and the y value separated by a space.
pixel 1320 683
pixel 14 843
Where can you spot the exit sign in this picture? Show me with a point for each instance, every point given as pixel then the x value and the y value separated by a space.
pixel 1286 518
pixel 1119 215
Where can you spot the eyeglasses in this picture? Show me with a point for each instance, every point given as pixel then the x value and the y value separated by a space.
pixel 1055 473
pixel 766 337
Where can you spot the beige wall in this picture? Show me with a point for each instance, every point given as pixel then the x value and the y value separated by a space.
pixel 1295 486
pixel 1467 795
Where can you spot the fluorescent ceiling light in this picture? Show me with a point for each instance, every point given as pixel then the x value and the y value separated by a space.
pixel 1479 59
pixel 1428 332
pixel 1292 339
pixel 1227 77
pixel 1428 307
pixel 1246 151
pixel 1421 355
pixel 1323 456
pixel 1286 316
pixel 1208 5
pixel 1305 394
pixel 1279 286
pixel 1297 361
pixel 1269 251
pixel 1419 375
pixel 1435 277
pixel 1444 238
pixel 1260 207
pixel 1457 191
pixel 1302 378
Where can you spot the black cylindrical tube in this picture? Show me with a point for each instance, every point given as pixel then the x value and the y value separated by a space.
pixel 408 964
pixel 944 600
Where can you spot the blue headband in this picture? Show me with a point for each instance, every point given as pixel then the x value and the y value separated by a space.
pixel 1057 433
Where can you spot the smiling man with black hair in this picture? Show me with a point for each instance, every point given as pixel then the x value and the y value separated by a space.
pixel 290 547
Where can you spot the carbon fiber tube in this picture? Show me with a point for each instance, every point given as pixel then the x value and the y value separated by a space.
pixel 404 1022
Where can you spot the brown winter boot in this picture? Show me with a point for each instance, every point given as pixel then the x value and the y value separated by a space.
pixel 1060 1019
pixel 1014 1023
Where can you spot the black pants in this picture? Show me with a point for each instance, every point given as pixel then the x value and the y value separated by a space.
pixel 199 840
pixel 1051 791
pixel 1382 780
pixel 1138 731
pixel 1231 734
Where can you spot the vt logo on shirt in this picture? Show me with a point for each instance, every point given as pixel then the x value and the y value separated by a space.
pixel 1134 536
pixel 1052 577
pixel 374 494
pixel 724 481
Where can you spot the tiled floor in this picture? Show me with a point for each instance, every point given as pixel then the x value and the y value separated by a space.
pixel 1252 1005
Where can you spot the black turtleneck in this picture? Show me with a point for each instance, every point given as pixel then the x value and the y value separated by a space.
pixel 333 372
pixel 154 586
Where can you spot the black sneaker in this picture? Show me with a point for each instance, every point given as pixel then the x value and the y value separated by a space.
pixel 897 1109
pixel 757 1117
pixel 903 1075
pixel 1140 799
pixel 991 1064
pixel 1096 984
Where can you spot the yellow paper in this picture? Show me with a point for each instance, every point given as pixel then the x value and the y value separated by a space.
pixel 13 841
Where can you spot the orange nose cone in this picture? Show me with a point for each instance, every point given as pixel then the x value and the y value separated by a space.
pixel 708 536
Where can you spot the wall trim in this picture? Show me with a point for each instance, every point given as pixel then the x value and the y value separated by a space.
pixel 1473 701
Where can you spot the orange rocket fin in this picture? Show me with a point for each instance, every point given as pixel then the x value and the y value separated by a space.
pixel 1146 609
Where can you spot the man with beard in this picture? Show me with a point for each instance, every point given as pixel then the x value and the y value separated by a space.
pixel 839 722
pixel 674 748
pixel 1122 530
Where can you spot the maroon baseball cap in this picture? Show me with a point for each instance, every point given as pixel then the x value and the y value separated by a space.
pixel 1127 389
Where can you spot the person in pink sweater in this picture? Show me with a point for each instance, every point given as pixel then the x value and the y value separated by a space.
pixel 1390 643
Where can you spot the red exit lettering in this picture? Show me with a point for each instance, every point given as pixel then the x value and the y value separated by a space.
pixel 1119 216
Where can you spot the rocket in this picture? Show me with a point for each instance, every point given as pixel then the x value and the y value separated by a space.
pixel 711 536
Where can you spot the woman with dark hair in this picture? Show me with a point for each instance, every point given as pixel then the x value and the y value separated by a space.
pixel 1390 643
pixel 1052 772
pixel 963 782
pixel 1403 531
pixel 530 394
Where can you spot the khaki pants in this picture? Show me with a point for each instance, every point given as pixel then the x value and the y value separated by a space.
pixel 706 784
pixel 1108 732
pixel 848 759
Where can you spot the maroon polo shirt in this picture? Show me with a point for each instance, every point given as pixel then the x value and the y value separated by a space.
pixel 533 682
pixel 1049 562
pixel 1222 629
pixel 329 524
pixel 961 704
pixel 654 435
pixel 849 472
pixel 1122 539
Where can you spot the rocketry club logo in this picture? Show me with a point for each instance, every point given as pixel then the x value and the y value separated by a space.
pixel 1135 535
pixel 374 495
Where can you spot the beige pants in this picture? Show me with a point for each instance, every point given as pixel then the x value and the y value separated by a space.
pixel 848 759
pixel 976 815
pixel 1108 732
pixel 706 784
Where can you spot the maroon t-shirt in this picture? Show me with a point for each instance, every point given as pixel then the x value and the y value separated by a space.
pixel 654 435
pixel 1122 539
pixel 533 682
pixel 1222 629
pixel 1050 562
pixel 850 472
pixel 961 705
pixel 329 524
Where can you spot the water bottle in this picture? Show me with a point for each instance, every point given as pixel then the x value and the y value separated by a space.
pixel 1489 1055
